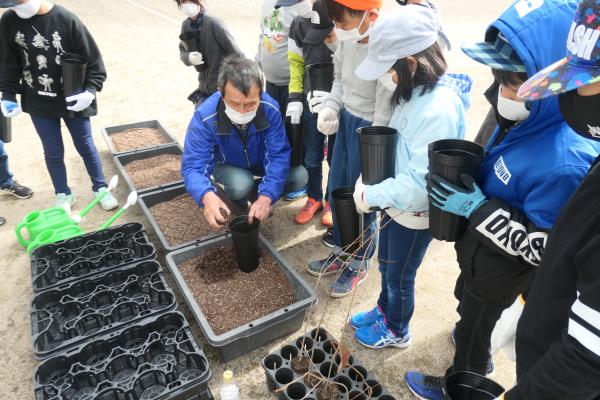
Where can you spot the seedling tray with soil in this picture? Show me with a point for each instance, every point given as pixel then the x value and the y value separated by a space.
pixel 74 313
pixel 128 138
pixel 87 255
pixel 177 219
pixel 239 312
pixel 156 359
pixel 150 170
pixel 309 368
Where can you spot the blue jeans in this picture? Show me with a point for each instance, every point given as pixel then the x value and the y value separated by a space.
pixel 238 183
pixel 50 133
pixel 345 170
pixel 6 177
pixel 401 251
pixel 314 146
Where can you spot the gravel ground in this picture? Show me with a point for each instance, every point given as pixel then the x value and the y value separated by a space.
pixel 147 81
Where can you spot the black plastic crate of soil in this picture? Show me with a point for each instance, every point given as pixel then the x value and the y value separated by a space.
pixel 83 256
pixel 157 359
pixel 255 334
pixel 121 161
pixel 109 132
pixel 74 313
pixel 149 200
pixel 354 381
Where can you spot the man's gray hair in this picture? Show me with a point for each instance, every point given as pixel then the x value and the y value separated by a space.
pixel 242 73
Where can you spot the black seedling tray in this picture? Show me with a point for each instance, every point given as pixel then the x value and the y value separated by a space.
pixel 319 345
pixel 74 313
pixel 108 132
pixel 156 359
pixel 255 334
pixel 151 199
pixel 83 256
pixel 122 160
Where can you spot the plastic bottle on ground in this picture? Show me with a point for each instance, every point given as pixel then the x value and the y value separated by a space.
pixel 229 388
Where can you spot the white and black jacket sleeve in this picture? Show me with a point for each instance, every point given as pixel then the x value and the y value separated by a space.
pixel 572 365
pixel 522 234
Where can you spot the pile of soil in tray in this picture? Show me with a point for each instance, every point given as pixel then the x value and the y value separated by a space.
pixel 328 392
pixel 181 220
pixel 154 171
pixel 137 138
pixel 229 297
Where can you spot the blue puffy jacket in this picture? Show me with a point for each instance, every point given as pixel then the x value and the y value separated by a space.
pixel 534 169
pixel 212 139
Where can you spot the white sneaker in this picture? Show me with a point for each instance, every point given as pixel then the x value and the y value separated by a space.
pixel 63 199
pixel 108 202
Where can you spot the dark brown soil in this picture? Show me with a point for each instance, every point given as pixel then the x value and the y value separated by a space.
pixel 313 380
pixel 154 171
pixel 181 220
pixel 328 392
pixel 300 364
pixel 229 297
pixel 137 138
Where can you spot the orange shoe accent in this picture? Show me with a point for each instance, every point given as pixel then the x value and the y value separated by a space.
pixel 327 218
pixel 309 210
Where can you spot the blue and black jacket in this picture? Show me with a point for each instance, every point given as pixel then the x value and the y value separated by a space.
pixel 532 168
pixel 212 140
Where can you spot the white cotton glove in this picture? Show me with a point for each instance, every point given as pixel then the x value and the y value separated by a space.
pixel 196 58
pixel 83 101
pixel 294 111
pixel 10 108
pixel 316 98
pixel 360 200
pixel 328 122
pixel 505 331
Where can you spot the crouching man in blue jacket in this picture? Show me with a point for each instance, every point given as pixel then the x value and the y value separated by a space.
pixel 235 135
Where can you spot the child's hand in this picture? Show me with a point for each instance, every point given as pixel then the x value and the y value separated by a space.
pixel 315 100
pixel 294 111
pixel 10 108
pixel 196 58
pixel 328 121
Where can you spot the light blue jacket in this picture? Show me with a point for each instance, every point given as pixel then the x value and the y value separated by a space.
pixel 437 115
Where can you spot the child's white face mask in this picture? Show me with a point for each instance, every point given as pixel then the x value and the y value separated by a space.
pixel 512 110
pixel 190 10
pixel 29 9
pixel 354 33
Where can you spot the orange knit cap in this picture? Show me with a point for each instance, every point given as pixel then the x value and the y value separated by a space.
pixel 361 4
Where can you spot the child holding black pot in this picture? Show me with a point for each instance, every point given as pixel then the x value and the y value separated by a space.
pixel 312 41
pixel 34 36
pixel 429 106
pixel 533 164
pixel 205 42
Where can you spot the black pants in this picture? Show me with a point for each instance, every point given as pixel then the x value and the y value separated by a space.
pixel 281 96
pixel 488 284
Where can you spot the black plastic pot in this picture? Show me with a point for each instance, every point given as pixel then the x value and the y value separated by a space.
pixel 74 69
pixel 5 129
pixel 377 153
pixel 347 218
pixel 470 386
pixel 320 76
pixel 295 135
pixel 245 242
pixel 449 159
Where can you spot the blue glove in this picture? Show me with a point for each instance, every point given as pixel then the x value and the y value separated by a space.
pixel 455 199
pixel 10 108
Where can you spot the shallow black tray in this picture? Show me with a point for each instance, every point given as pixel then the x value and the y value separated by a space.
pixel 83 256
pixel 156 359
pixel 320 346
pixel 74 313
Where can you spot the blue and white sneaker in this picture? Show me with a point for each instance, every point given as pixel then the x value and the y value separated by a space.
pixel 348 281
pixel 379 336
pixel 425 387
pixel 366 318
pixel 297 195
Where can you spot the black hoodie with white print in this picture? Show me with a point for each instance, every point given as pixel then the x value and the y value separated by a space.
pixel 30 61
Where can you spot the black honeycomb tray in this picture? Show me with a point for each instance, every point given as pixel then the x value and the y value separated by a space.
pixel 156 359
pixel 75 312
pixel 319 345
pixel 83 256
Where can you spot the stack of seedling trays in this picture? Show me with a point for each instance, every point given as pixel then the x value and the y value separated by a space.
pixel 309 369
pixel 104 325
